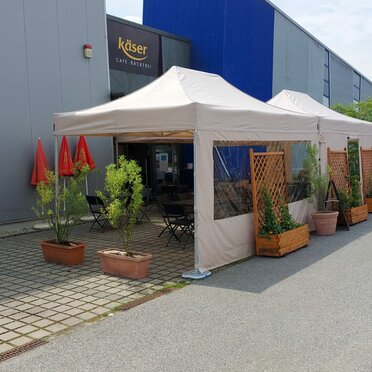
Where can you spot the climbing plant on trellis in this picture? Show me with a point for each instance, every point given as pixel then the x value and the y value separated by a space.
pixel 367 171
pixel 267 172
pixel 339 169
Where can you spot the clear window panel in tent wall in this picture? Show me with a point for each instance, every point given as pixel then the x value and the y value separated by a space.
pixel 232 175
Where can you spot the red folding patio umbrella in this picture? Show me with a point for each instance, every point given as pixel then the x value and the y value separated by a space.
pixel 65 165
pixel 83 157
pixel 82 154
pixel 40 165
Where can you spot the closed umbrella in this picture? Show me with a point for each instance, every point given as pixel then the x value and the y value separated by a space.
pixel 65 165
pixel 40 165
pixel 83 157
pixel 39 175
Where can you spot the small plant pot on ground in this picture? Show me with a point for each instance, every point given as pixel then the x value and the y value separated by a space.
pixel 284 243
pixel 369 204
pixel 116 263
pixel 70 254
pixel 325 223
pixel 354 215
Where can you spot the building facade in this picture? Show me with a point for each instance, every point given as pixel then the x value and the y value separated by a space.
pixel 43 71
pixel 137 56
pixel 258 48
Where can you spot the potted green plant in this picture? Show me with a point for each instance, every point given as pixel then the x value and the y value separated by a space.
pixel 123 199
pixel 325 222
pixel 63 208
pixel 279 235
pixel 355 210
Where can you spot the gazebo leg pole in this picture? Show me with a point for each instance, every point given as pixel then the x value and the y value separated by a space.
pixel 56 165
pixel 196 273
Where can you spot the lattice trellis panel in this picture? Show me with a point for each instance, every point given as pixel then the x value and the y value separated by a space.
pixel 339 169
pixel 367 170
pixel 267 172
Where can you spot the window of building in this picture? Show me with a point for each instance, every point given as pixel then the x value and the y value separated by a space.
pixel 326 79
pixel 356 87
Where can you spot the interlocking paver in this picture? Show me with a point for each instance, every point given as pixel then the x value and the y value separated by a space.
pixel 72 321
pixel 39 299
pixel 74 311
pixel 41 333
pixel 86 315
pixel 19 315
pixel 8 336
pixel 55 327
pixel 21 341
pixel 59 317
pixel 43 323
pixel 26 329
pixel 5 347
pixel 14 325
pixel 31 319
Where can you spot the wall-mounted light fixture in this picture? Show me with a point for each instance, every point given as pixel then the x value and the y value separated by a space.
pixel 88 51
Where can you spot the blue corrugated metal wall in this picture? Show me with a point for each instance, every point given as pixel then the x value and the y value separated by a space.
pixel 233 38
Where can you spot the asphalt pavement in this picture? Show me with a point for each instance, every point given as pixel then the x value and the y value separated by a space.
pixel 308 311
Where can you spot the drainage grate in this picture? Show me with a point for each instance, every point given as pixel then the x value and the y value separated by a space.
pixel 21 349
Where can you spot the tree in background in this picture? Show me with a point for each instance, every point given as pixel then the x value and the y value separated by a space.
pixel 360 110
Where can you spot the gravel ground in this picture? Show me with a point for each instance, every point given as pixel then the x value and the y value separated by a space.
pixel 308 311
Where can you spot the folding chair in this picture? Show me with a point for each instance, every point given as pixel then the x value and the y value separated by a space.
pixel 146 195
pixel 97 208
pixel 182 222
pixel 160 201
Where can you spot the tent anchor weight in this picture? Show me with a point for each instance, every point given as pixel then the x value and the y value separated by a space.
pixel 196 274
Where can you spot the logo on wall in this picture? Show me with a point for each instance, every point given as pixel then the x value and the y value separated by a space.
pixel 132 49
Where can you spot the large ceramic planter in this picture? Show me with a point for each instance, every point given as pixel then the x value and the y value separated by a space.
pixel 114 262
pixel 281 244
pixel 354 215
pixel 369 204
pixel 325 223
pixel 70 255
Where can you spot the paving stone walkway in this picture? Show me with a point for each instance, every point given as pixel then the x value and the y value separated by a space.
pixel 39 299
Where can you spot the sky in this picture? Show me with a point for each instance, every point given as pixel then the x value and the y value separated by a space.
pixel 345 26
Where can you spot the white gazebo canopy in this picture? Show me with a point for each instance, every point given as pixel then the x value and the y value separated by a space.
pixel 330 121
pixel 199 107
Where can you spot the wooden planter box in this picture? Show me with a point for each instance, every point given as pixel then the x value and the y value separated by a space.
pixel 369 204
pixel 280 245
pixel 354 215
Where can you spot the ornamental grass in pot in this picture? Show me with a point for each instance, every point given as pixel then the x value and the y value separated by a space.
pixel 63 209
pixel 325 222
pixel 123 199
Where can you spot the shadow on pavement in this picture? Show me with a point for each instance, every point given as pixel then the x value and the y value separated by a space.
pixel 260 273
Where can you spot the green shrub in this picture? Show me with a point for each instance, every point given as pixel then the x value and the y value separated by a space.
pixel 318 184
pixel 52 203
pixel 123 185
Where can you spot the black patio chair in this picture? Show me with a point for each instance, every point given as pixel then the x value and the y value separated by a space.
pixel 178 220
pixel 97 208
pixel 160 201
pixel 142 213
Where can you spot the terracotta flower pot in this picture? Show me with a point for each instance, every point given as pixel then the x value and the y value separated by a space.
pixel 114 262
pixel 325 222
pixel 63 254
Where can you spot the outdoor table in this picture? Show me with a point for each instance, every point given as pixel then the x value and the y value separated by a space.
pixel 184 203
